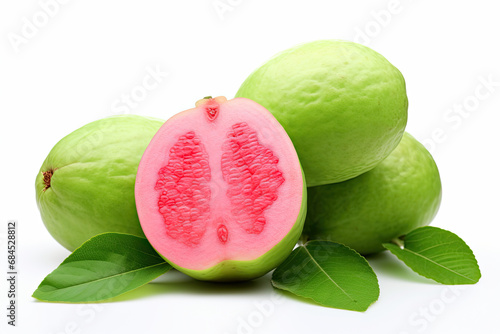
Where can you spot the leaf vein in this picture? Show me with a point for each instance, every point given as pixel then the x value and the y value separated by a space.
pixel 440 265
pixel 328 276
pixel 108 277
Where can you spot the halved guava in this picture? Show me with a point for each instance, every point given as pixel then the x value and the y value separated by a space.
pixel 220 192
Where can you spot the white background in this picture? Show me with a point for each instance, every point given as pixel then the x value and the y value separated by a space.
pixel 76 65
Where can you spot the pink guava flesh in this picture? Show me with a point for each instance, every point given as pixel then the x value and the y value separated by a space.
pixel 218 182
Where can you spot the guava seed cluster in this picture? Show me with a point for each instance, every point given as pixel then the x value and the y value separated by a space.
pixel 249 169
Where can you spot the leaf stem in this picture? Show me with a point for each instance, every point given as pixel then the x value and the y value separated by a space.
pixel 398 242
pixel 303 240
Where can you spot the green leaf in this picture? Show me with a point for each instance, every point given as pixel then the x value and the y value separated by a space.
pixel 331 274
pixel 439 255
pixel 105 266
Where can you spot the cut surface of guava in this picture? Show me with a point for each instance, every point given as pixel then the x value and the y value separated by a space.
pixel 220 192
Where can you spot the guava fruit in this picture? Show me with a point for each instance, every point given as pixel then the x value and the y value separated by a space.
pixel 402 193
pixel 343 105
pixel 86 184
pixel 220 192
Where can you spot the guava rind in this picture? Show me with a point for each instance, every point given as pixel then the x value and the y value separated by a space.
pixel 402 193
pixel 92 187
pixel 343 105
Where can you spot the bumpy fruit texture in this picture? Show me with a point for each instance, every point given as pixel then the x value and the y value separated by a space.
pixel 400 194
pixel 220 192
pixel 86 184
pixel 343 105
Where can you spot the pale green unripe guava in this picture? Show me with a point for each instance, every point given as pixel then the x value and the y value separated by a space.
pixel 85 186
pixel 402 193
pixel 343 105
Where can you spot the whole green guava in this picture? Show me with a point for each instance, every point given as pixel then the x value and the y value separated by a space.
pixel 343 105
pixel 402 193
pixel 85 186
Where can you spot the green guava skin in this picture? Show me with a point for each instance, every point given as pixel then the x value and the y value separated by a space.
pixel 235 271
pixel 402 193
pixel 343 105
pixel 92 187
